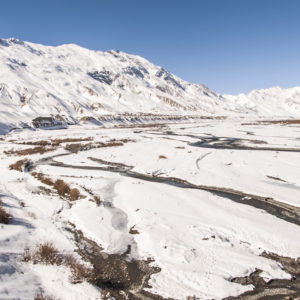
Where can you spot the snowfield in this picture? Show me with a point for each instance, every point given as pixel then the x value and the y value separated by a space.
pixel 201 240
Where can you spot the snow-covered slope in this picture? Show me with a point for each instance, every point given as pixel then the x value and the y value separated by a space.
pixel 74 83
pixel 267 102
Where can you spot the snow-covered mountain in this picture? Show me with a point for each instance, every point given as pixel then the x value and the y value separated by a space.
pixel 74 84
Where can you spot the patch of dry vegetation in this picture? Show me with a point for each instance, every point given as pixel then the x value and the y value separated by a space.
pixel 30 151
pixel 110 144
pixel 18 166
pixel 61 187
pixel 74 194
pixel 75 148
pixel 5 217
pixel 41 296
pixel 270 122
pixel 162 157
pixel 132 230
pixel 56 142
pixel 97 200
pixel 42 178
pixel 46 253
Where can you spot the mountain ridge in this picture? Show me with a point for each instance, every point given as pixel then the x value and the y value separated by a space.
pixel 76 83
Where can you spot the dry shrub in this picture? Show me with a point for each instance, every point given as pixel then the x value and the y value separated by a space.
pixel 43 178
pixel 46 253
pixel 5 217
pixel 97 200
pixel 74 194
pixel 79 271
pixel 179 147
pixel 162 157
pixel 61 187
pixel 18 166
pixel 132 230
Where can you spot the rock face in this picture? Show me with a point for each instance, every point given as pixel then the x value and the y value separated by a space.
pixel 71 83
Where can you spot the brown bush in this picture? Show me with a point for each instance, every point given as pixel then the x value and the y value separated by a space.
pixel 18 166
pixel 132 230
pixel 74 194
pixel 162 157
pixel 61 187
pixel 43 178
pixel 5 217
pixel 97 200
pixel 46 253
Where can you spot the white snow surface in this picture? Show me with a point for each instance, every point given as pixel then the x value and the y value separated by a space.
pixel 199 240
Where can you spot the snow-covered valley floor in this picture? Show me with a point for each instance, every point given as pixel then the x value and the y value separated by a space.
pixel 186 197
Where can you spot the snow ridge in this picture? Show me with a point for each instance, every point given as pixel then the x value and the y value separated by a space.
pixel 72 84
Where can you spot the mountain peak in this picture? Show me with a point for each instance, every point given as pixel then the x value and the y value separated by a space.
pixel 76 83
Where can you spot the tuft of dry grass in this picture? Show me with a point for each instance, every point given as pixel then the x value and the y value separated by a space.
pixel 42 178
pixel 132 230
pixel 97 200
pixel 74 194
pixel 61 187
pixel 48 254
pixel 5 217
pixel 162 157
pixel 79 271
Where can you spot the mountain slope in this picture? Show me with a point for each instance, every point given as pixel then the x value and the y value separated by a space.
pixel 74 83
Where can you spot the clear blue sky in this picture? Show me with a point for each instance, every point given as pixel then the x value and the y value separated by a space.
pixel 231 46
